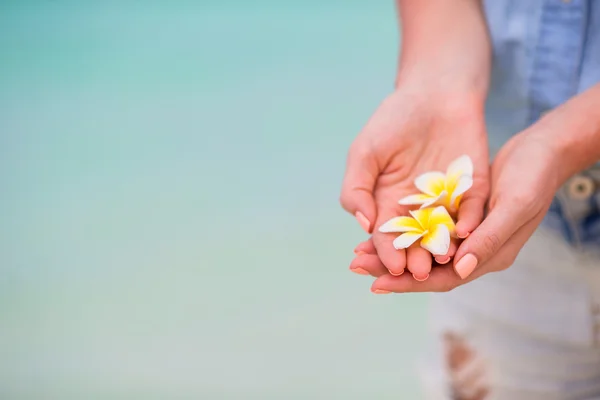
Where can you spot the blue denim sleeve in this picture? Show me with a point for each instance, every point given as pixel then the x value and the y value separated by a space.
pixel 545 52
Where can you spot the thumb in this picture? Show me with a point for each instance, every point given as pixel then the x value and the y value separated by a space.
pixel 358 185
pixel 489 237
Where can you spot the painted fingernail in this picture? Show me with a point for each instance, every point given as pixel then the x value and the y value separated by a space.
pixel 421 278
pixel 395 274
pixel 363 221
pixel 381 291
pixel 359 252
pixel 442 260
pixel 466 265
pixel 359 271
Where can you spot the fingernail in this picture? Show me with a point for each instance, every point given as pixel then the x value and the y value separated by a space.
pixel 421 278
pixel 466 265
pixel 359 271
pixel 359 252
pixel 393 274
pixel 466 235
pixel 363 221
pixel 381 291
pixel 442 260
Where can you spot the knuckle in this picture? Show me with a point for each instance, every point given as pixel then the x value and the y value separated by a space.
pixel 506 262
pixel 382 243
pixel 348 198
pixel 491 243
pixel 358 150
pixel 501 262
pixel 448 287
pixel 343 200
pixel 523 201
pixel 503 267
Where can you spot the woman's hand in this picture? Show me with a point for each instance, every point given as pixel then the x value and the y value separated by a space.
pixel 525 176
pixel 412 132
pixel 434 116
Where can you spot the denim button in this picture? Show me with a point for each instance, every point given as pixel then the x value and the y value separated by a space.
pixel 580 187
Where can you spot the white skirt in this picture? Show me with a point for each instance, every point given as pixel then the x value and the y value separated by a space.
pixel 530 332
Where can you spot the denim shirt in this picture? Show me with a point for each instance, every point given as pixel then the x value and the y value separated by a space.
pixel 545 52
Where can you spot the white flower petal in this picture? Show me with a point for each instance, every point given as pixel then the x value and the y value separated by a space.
pixel 433 200
pixel 406 239
pixel 400 224
pixel 431 183
pixel 463 184
pixel 461 166
pixel 437 240
pixel 415 199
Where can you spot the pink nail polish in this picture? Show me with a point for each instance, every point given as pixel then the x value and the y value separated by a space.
pixel 381 291
pixel 442 260
pixel 363 221
pixel 421 278
pixel 466 265
pixel 359 271
pixel 393 274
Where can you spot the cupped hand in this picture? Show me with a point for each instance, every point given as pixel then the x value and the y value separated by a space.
pixel 525 177
pixel 413 132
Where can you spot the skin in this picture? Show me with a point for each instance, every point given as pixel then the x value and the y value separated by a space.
pixel 392 150
pixel 414 132
pixel 435 110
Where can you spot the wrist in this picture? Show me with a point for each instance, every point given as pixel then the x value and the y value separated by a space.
pixel 449 84
pixel 572 132
pixel 461 105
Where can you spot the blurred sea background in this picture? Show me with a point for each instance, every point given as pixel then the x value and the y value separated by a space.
pixel 169 218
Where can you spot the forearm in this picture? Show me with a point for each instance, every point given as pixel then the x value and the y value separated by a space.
pixel 444 43
pixel 573 132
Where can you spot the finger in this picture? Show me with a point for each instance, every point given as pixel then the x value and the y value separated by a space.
pixel 418 262
pixel 393 259
pixel 441 279
pixel 505 257
pixel 366 247
pixel 470 212
pixel 500 224
pixel 359 181
pixel 451 251
pixel 444 278
pixel 368 264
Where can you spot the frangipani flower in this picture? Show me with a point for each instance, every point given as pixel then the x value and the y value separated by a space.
pixel 443 189
pixel 433 226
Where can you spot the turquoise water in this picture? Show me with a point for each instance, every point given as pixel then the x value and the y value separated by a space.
pixel 169 217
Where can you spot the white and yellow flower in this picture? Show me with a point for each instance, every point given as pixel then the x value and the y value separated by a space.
pixel 443 189
pixel 434 226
